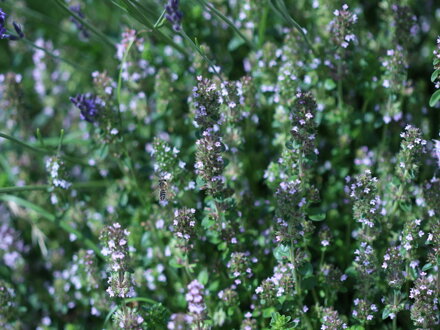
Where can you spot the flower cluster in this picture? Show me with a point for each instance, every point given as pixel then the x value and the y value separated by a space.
pixel 173 14
pixel 341 27
pixel 239 266
pixel 411 149
pixel 366 204
pixel 436 75
pixel 128 318
pixel 184 226
pixel 425 309
pixel 57 182
pixel 115 239
pixel 89 105
pixel 404 24
pixel 331 320
pixel 280 284
pixel 7 304
pixel 206 101
pixel 3 32
pixel 196 304
pixel 304 124
pixel 210 163
pixel 365 263
pixel 393 266
pixel 364 311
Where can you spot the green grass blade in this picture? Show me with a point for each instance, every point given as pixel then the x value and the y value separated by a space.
pixel 52 218
pixel 89 26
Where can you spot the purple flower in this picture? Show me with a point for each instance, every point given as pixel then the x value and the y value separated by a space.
pixel 89 106
pixel 174 15
pixel 3 34
pixel 77 10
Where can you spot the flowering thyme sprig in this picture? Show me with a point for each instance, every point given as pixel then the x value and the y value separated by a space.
pixel 59 185
pixel 115 240
pixel 412 148
pixel 366 204
pixel 196 304
pixel 425 309
pixel 341 27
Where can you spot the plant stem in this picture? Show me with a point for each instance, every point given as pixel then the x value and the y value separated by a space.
pixel 78 185
pixel 42 151
pixel 284 13
pixel 226 20
pixel 198 50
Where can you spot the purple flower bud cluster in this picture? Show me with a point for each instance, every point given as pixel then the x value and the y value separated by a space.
pixel 184 226
pixel 90 106
pixel 77 10
pixel 436 53
pixel 115 240
pixel 179 321
pixel 365 262
pixel 393 267
pixel 404 24
pixel 412 148
pixel 239 267
pixel 331 320
pixel 3 31
pixel 7 304
pixel 341 27
pixel 210 163
pixel 248 322
pixel 364 311
pixel 304 124
pixel 425 309
pixel 366 204
pixel 229 296
pixel 59 185
pixel 280 284
pixel 196 304
pixel 206 102
pixel 174 15
pixel 128 318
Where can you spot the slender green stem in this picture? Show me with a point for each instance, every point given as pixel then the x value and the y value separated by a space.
pixel 219 14
pixel 56 220
pixel 95 31
pixel 160 20
pixel 198 50
pixel 395 306
pixel 284 13
pixel 42 151
pixel 78 185
pixel 340 88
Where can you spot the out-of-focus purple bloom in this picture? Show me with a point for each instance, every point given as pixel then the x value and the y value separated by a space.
pixel 3 34
pixel 174 15
pixel 77 10
pixel 89 106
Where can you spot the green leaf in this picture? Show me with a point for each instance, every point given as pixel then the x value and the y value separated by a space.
pixel 329 84
pixel 427 267
pixel 317 216
pixel 386 313
pixel 435 75
pixel 203 277
pixel 281 252
pixel 434 98
pixel 235 43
